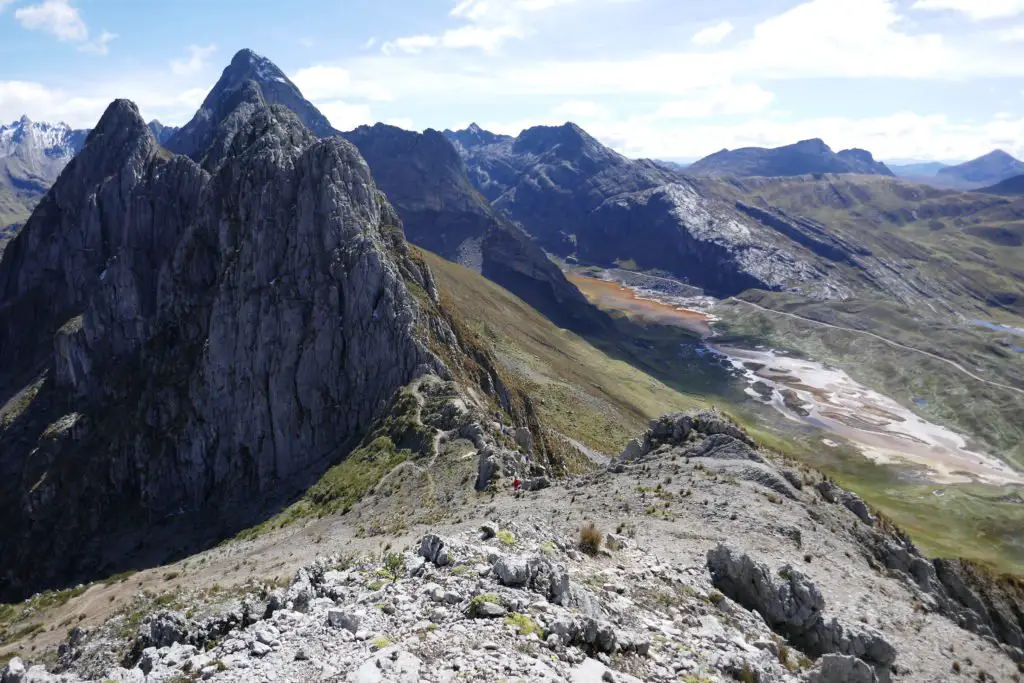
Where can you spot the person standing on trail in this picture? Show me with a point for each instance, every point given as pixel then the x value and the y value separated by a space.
pixel 516 484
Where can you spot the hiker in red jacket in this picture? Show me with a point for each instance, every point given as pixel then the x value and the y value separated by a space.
pixel 516 485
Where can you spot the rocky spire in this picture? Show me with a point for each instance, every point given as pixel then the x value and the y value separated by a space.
pixel 248 79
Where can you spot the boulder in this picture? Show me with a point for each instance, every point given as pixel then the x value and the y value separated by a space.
pixel 13 672
pixel 841 669
pixel 434 549
pixel 391 665
pixel 512 571
pixel 342 619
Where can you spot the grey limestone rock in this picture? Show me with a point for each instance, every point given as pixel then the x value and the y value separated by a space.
pixel 793 606
pixel 271 286
pixel 841 669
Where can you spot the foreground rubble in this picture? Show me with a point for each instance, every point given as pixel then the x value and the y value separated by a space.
pixel 724 565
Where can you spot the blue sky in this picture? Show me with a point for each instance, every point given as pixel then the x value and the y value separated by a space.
pixel 922 79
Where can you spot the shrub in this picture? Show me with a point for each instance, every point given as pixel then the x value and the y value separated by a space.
pixel 506 537
pixel 394 565
pixel 590 538
pixel 524 624
pixel 478 600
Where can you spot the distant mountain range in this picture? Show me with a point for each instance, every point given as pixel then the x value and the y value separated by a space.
pixel 989 169
pixel 32 155
pixel 802 158
pixel 921 169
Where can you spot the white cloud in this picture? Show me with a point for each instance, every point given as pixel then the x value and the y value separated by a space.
pixel 43 103
pixel 402 122
pixel 724 100
pixel 899 135
pixel 334 82
pixel 4 4
pixel 488 25
pixel 484 38
pixel 977 10
pixel 196 62
pixel 54 16
pixel 581 109
pixel 1011 35
pixel 712 35
pixel 100 45
pixel 62 19
pixel 345 116
pixel 370 42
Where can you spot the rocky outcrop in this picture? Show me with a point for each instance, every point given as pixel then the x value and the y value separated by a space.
pixel 711 439
pixel 273 287
pixel 841 669
pixel 793 606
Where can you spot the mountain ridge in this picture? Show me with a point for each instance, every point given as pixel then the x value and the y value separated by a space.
pixel 987 169
pixel 801 158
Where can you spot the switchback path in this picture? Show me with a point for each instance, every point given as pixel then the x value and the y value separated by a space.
pixel 887 341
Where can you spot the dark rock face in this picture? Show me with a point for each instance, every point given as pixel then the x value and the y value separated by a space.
pixel 161 132
pixel 550 178
pixel 805 157
pixel 576 197
pixel 989 169
pixel 425 178
pixel 210 338
pixel 252 79
pixel 675 229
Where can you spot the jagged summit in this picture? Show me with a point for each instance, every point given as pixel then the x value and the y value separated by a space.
pixel 474 136
pixel 249 79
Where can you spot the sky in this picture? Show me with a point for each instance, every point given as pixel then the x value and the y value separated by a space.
pixel 669 79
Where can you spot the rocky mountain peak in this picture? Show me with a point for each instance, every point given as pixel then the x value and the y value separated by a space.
pixel 248 79
pixel 568 142
pixel 247 64
pixel 120 116
pixel 990 168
